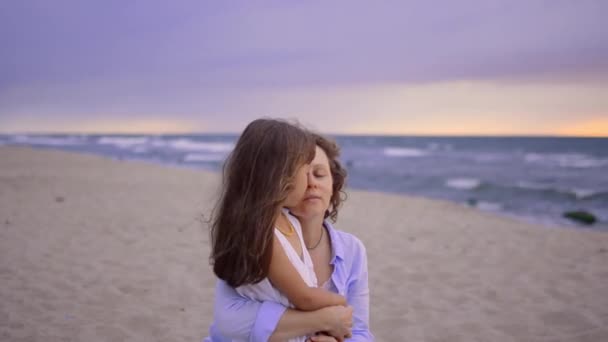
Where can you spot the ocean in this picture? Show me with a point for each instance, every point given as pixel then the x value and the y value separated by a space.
pixel 533 178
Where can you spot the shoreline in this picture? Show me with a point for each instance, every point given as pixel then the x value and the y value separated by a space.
pixel 551 222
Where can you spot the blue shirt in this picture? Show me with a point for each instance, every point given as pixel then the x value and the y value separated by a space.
pixel 239 318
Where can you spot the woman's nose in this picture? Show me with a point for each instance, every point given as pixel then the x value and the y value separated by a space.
pixel 311 181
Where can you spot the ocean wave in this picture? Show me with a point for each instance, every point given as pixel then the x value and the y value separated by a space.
pixel 190 145
pixel 601 197
pixel 157 143
pixel 583 193
pixel 403 152
pixel 532 186
pixel 48 141
pixel 123 142
pixel 141 149
pixel 463 183
pixel 489 157
pixel 488 206
pixel 579 193
pixel 574 160
pixel 433 146
pixel 201 157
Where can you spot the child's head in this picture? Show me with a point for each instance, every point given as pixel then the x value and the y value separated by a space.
pixel 265 171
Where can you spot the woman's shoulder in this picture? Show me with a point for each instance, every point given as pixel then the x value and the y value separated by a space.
pixel 349 242
pixel 351 251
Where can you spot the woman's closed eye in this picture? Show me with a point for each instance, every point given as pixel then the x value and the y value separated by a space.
pixel 319 173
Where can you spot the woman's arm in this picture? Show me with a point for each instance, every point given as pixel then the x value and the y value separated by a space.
pixel 357 294
pixel 337 320
pixel 237 317
pixel 284 276
pixel 240 318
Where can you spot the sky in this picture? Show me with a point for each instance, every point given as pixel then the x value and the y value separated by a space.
pixel 467 67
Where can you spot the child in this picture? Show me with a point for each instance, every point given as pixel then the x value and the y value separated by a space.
pixel 257 246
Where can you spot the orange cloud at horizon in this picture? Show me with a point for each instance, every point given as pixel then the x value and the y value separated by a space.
pixel 473 124
pixel 450 108
pixel 442 108
pixel 597 127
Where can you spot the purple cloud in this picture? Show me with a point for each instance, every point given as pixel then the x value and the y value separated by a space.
pixel 78 54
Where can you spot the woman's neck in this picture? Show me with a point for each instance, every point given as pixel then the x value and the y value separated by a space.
pixel 311 229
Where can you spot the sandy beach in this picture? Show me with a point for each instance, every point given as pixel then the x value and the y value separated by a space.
pixel 94 249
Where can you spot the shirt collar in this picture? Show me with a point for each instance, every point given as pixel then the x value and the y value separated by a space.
pixel 337 250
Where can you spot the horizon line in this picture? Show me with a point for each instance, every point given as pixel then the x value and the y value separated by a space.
pixel 421 135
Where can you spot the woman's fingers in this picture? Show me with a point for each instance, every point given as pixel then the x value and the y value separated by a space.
pixel 322 338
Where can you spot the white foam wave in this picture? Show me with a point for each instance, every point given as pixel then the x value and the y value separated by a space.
pixel 489 206
pixel 403 152
pixel 583 193
pixel 574 160
pixel 463 183
pixel 157 142
pixel 189 145
pixel 201 157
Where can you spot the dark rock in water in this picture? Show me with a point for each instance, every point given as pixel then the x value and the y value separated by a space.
pixel 59 199
pixel 472 202
pixel 350 164
pixel 581 216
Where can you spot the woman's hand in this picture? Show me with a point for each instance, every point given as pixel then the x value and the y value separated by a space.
pixel 340 321
pixel 321 338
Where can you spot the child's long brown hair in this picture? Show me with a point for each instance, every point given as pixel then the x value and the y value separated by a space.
pixel 257 179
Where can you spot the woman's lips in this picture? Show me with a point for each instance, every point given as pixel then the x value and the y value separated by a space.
pixel 312 197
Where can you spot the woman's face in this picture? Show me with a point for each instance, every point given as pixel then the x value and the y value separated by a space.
pixel 298 186
pixel 319 190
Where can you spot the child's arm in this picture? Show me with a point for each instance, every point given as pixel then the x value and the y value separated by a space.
pixel 284 276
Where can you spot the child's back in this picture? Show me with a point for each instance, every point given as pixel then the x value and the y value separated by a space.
pixel 264 291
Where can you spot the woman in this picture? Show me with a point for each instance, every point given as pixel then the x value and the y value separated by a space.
pixel 340 264
pixel 257 246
